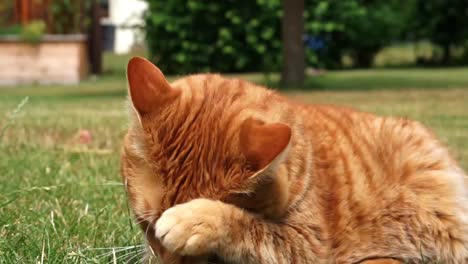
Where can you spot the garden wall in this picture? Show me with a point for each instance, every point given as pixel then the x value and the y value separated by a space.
pixel 60 59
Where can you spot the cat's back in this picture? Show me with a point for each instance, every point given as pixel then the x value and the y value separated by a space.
pixel 386 181
pixel 375 147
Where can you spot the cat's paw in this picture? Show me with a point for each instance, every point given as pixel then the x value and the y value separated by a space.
pixel 194 228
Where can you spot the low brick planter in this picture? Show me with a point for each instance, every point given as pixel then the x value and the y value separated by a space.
pixel 59 59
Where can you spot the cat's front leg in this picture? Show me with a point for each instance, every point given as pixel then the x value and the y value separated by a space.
pixel 204 226
pixel 194 228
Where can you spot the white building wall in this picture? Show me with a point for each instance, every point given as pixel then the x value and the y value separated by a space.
pixel 125 14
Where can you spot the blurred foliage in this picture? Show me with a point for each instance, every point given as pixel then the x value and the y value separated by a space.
pixel 69 16
pixel 6 12
pixel 190 36
pixel 354 27
pixel 33 31
pixel 444 23
pixel 58 16
pixel 236 36
pixel 10 30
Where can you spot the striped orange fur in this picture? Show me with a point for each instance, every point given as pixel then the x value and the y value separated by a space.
pixel 223 167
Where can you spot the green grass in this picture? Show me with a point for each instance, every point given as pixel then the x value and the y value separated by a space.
pixel 63 202
pixel 416 78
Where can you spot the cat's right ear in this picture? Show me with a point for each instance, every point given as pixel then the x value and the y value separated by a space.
pixel 264 145
pixel 148 88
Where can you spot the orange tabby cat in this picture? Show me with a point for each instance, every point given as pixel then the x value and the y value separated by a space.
pixel 222 167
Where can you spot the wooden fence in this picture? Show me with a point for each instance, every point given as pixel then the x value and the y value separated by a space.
pixel 60 17
pixel 27 10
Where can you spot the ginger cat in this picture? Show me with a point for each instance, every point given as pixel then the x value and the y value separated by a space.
pixel 223 168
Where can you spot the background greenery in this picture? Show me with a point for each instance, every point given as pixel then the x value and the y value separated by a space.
pixel 192 36
pixel 58 17
pixel 239 36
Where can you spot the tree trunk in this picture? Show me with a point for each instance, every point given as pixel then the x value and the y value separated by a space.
pixel 292 74
pixel 94 40
pixel 446 55
pixel 364 59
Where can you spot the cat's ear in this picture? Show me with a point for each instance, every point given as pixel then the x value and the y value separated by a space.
pixel 148 88
pixel 264 145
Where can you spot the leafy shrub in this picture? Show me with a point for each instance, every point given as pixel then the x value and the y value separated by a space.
pixel 10 30
pixel 190 36
pixel 354 27
pixel 33 31
pixel 68 17
pixel 444 23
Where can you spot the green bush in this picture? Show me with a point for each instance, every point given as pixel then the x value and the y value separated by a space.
pixel 233 36
pixel 444 23
pixel 33 31
pixel 355 28
pixel 190 36
pixel 69 16
pixel 10 30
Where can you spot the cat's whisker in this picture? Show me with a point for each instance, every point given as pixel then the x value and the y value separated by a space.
pixel 144 260
pixel 108 254
pixel 150 221
pixel 147 229
pixel 148 260
pixel 116 250
pixel 139 254
pixel 147 216
pixel 152 252
pixel 126 255
pixel 117 256
pixel 145 219
pixel 153 255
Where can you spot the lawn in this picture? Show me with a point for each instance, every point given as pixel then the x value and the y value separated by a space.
pixel 62 201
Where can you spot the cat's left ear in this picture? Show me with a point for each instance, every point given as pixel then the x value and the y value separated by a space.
pixel 264 145
pixel 148 88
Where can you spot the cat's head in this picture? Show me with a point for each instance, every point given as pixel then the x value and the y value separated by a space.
pixel 202 136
